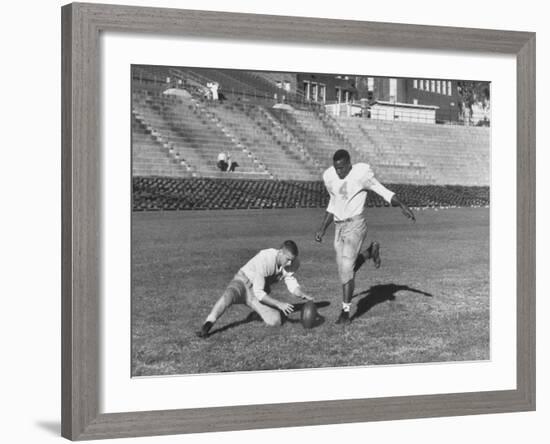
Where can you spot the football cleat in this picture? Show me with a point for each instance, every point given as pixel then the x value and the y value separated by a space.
pixel 204 331
pixel 344 318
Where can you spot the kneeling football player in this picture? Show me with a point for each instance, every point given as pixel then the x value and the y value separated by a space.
pixel 251 284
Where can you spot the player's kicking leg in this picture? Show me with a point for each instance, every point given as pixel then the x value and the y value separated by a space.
pixel 372 252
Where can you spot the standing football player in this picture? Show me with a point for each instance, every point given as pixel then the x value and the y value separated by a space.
pixel 251 286
pixel 347 186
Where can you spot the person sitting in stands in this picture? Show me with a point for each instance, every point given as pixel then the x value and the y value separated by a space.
pixel 222 161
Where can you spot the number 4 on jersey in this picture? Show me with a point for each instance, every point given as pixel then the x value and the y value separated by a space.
pixel 344 191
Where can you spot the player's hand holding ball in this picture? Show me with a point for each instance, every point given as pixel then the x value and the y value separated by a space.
pixel 286 308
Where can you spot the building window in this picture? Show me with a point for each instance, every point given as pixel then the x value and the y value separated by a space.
pixel 449 89
pixel 393 90
pixel 287 86
pixel 444 85
pixel 322 93
pixel 438 86
pixel 306 90
pixel 415 101
pixel 314 90
pixel 421 84
pixel 415 84
pixel 433 86
pixel 338 94
pixel 347 96
pixel 370 83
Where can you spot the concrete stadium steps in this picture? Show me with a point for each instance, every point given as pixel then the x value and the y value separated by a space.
pixel 157 193
pixel 310 131
pixel 285 139
pixel 149 158
pixel 299 144
pixel 156 124
pixel 233 82
pixel 390 163
pixel 452 155
pixel 197 140
pixel 207 134
pixel 253 129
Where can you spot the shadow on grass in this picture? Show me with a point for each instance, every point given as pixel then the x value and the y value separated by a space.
pixel 252 317
pixel 255 317
pixel 378 294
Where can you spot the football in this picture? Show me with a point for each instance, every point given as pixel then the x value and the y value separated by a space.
pixel 309 314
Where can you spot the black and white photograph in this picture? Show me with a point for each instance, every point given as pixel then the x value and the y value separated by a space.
pixel 275 222
pixel 299 220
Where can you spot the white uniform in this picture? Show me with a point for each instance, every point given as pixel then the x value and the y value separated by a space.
pixel 262 271
pixel 347 205
pixel 348 195
pixel 252 282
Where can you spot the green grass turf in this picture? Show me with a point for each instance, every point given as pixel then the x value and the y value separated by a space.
pixel 429 301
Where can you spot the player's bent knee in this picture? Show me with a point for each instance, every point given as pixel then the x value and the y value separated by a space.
pixel 273 320
pixel 228 298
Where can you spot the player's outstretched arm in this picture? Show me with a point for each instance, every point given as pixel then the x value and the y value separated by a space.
pixel 285 307
pixel 327 220
pixel 404 208
pixel 298 292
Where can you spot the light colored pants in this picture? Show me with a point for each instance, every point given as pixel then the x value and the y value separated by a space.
pixel 239 291
pixel 348 241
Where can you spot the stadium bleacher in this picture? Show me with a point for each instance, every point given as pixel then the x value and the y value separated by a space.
pixel 282 151
pixel 157 193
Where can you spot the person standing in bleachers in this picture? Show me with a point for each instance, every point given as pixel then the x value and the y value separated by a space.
pixel 231 164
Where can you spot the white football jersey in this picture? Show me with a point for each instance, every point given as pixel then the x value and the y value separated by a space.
pixel 347 195
pixel 262 269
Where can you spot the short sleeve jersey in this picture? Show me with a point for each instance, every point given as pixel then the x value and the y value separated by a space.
pixel 263 270
pixel 347 195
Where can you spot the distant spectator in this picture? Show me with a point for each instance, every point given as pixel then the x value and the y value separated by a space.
pixel 225 163
pixel 206 93
pixel 213 88
pixel 231 165
pixel 222 161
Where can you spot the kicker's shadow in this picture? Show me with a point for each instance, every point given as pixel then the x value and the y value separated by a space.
pixel 252 317
pixel 378 294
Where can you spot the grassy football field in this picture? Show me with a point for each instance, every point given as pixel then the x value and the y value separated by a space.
pixel 429 301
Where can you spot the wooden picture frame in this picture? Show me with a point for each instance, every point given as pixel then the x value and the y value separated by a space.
pixel 81 172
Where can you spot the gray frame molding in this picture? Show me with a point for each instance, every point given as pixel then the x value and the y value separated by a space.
pixel 81 168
